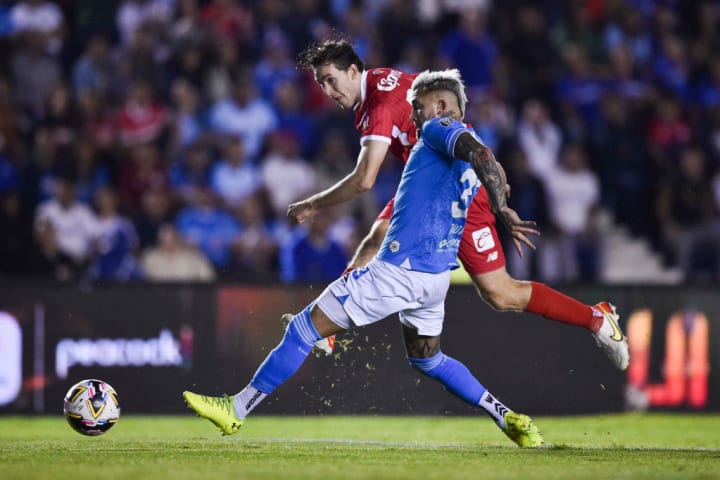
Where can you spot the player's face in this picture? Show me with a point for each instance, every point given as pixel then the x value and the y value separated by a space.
pixel 343 86
pixel 423 109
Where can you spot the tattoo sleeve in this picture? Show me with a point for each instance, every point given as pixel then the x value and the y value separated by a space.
pixel 467 148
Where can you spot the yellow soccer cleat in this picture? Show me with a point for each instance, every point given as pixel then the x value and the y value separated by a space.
pixel 522 430
pixel 219 410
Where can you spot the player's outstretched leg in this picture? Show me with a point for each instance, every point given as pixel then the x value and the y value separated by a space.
pixel 228 413
pixel 611 338
pixel 219 410
pixel 324 346
pixel 522 430
pixel 457 379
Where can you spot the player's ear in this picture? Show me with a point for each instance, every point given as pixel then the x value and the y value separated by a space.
pixel 440 107
pixel 353 70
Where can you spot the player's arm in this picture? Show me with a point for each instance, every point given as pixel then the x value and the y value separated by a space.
pixel 360 180
pixel 492 176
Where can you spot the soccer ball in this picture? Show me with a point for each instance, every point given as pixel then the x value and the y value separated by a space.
pixel 91 407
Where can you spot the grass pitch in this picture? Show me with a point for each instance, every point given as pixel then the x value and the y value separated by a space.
pixel 656 446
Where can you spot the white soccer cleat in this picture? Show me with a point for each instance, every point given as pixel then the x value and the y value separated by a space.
pixel 324 346
pixel 610 337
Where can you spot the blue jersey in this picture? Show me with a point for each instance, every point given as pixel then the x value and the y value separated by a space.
pixel 431 202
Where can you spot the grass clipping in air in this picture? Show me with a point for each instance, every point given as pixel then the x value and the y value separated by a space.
pixel 629 446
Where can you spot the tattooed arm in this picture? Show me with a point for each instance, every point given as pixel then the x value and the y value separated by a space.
pixel 492 176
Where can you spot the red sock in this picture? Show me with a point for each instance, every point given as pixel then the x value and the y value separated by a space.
pixel 556 306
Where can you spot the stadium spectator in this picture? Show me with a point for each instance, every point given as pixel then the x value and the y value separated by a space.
pixel 155 210
pixel 234 178
pixel 669 131
pixel 17 228
pixel 134 15
pixel 573 197
pixel 67 227
pixel 91 174
pixel 529 200
pixel 116 242
pixel 94 70
pixel 187 123
pixel 686 211
pixel 530 55
pixel 60 119
pixel 37 73
pixel 173 260
pixel 287 176
pixel 311 255
pixel 38 24
pixel 38 171
pixel 230 20
pixel 275 64
pixel 671 69
pixel 244 113
pixel 623 165
pixel 577 92
pixel 540 138
pixel 210 228
pixel 472 49
pixel 144 171
pixel 10 128
pixel 142 119
pixel 287 101
pixel 190 171
pixel 255 249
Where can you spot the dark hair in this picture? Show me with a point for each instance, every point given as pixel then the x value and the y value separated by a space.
pixel 338 52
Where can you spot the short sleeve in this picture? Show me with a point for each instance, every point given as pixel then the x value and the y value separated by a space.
pixel 441 133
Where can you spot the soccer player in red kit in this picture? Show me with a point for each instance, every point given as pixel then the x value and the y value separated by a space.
pixel 382 117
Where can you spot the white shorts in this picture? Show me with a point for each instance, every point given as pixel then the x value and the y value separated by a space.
pixel 380 289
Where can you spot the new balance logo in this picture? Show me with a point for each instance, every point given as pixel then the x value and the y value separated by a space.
pixel 252 401
pixel 492 257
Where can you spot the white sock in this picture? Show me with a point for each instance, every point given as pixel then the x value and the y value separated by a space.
pixel 245 401
pixel 495 408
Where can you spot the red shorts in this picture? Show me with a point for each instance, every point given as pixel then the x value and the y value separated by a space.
pixel 480 248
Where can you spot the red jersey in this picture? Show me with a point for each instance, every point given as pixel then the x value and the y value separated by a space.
pixel 384 112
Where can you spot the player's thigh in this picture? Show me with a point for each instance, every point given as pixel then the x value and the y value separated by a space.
pixel 427 318
pixel 480 248
pixel 380 289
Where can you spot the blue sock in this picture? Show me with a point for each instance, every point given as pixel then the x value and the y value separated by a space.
pixel 455 376
pixel 287 357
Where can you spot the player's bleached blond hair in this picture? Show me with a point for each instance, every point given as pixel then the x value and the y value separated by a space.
pixel 430 81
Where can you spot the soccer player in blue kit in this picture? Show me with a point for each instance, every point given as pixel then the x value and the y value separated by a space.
pixel 410 275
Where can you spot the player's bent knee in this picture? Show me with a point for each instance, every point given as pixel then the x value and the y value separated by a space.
pixel 427 365
pixel 505 295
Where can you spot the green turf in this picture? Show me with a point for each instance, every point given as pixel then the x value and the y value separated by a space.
pixel 615 446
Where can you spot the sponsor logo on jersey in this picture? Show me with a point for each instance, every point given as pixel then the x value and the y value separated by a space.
pixel 492 257
pixel 446 122
pixel 483 239
pixel 388 83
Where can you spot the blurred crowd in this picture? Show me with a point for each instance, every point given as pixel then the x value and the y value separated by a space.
pixel 164 139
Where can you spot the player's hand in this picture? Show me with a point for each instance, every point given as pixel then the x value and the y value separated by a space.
pixel 300 211
pixel 519 229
